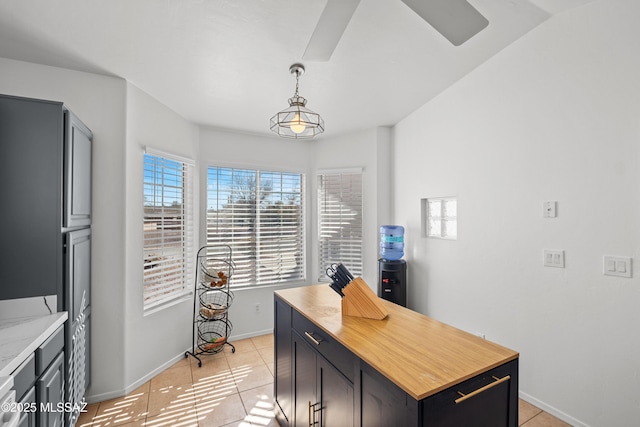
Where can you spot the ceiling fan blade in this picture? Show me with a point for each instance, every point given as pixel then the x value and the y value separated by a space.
pixel 333 21
pixel 456 20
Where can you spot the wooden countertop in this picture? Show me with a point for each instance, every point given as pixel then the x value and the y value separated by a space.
pixel 420 355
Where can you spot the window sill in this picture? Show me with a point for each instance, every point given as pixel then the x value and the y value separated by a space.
pixel 268 286
pixel 186 295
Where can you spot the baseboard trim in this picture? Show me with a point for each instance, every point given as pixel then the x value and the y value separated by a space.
pixel 551 410
pixel 119 393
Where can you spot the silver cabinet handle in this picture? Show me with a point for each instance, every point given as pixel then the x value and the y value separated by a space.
pixel 312 338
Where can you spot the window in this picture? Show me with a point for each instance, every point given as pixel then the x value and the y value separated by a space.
pixel 340 221
pixel 260 214
pixel 168 227
pixel 440 217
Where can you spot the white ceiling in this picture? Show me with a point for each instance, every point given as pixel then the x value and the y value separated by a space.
pixel 225 63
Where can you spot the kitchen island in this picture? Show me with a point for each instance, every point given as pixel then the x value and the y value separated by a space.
pixel 405 370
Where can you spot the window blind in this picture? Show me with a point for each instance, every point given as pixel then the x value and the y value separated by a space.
pixel 168 227
pixel 260 214
pixel 340 221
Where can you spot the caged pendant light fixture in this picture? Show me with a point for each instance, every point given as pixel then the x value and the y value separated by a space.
pixel 297 121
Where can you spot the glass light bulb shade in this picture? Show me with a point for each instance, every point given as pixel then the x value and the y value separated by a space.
pixel 297 121
pixel 296 125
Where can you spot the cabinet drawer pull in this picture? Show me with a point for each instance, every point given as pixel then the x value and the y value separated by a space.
pixel 481 389
pixel 312 338
pixel 312 414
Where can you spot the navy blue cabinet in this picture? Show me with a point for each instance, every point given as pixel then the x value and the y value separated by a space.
pixel 320 382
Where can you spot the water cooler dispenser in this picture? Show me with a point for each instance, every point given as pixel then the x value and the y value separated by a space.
pixel 392 270
pixel 392 284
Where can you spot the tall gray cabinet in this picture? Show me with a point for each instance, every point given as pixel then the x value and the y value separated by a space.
pixel 45 221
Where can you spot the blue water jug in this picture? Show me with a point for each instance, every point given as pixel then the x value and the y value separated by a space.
pixel 391 242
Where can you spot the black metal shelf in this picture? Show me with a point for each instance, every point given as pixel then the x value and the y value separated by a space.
pixel 213 298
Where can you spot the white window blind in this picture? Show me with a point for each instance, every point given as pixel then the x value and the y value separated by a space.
pixel 260 214
pixel 168 227
pixel 340 221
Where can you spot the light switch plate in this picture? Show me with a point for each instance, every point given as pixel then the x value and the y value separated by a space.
pixel 616 266
pixel 553 258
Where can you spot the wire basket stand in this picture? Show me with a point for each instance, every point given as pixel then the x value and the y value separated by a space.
pixel 211 325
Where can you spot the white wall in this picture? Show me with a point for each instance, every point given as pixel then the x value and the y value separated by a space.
pixel 231 149
pixel 366 149
pixel 552 117
pixel 370 151
pixel 156 340
pixel 99 101
pixel 128 347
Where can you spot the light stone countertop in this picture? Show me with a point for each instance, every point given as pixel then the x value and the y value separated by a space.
pixel 21 336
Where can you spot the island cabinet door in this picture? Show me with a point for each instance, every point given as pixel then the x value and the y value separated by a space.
pixel 490 399
pixel 323 395
pixel 304 382
pixel 382 403
pixel 336 396
pixel 283 363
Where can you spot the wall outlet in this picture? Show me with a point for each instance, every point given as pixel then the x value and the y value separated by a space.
pixel 257 307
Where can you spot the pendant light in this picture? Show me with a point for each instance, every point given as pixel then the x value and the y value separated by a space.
pixel 297 121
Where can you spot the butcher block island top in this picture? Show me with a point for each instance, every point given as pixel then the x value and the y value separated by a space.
pixel 420 355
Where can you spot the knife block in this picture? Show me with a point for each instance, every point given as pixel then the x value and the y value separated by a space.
pixel 360 301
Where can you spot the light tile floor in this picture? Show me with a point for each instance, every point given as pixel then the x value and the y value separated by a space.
pixel 229 390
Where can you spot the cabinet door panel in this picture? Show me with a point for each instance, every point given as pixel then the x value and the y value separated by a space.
pixel 304 359
pixel 28 419
pixel 50 391
pixel 490 399
pixel 336 395
pixel 78 272
pixel 77 175
pixel 383 403
pixel 283 360
pixel 489 408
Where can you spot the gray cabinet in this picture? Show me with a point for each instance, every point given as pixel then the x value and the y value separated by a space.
pixel 50 393
pixel 77 172
pixel 45 165
pixel 28 418
pixel 31 164
pixel 39 383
